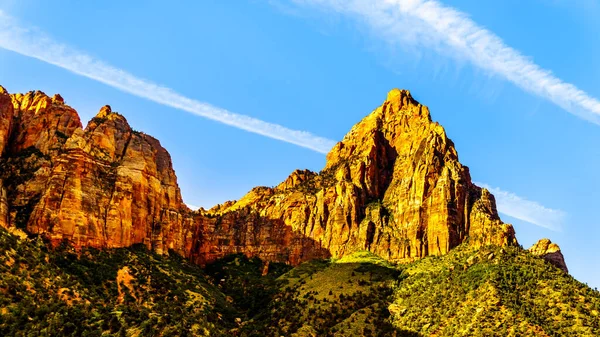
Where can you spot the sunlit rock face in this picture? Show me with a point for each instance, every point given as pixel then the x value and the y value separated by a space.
pixel 550 252
pixel 33 130
pixel 393 186
pixel 103 186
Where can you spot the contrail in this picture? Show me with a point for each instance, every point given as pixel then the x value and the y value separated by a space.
pixel 451 32
pixel 35 44
pixel 32 43
pixel 526 210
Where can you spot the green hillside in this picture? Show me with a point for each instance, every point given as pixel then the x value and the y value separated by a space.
pixel 493 292
pixel 130 292
pixel 58 293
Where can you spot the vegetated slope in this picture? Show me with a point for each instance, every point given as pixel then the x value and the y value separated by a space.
pixel 345 297
pixel 494 291
pixel 491 291
pixel 123 292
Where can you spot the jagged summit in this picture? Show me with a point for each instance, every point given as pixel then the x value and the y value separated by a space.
pixel 57 99
pixel 402 101
pixel 104 112
pixel 103 186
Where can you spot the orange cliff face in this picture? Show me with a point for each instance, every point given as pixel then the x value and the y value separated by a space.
pixel 103 186
pixel 392 186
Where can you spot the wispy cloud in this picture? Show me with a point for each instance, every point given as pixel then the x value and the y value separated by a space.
pixel 36 44
pixel 451 32
pixel 526 210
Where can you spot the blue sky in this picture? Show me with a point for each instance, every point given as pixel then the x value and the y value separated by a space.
pixel 319 67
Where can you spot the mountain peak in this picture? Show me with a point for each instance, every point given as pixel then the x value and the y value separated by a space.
pixel 401 101
pixel 398 100
pixel 57 99
pixel 104 112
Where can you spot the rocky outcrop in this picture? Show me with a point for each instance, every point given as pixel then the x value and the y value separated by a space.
pixel 103 186
pixel 33 130
pixel 392 186
pixel 113 187
pixel 550 252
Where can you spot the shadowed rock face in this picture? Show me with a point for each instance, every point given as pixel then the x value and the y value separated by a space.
pixel 393 186
pixel 550 252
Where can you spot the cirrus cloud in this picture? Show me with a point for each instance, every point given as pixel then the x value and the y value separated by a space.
pixel 529 211
pixel 431 24
pixel 33 43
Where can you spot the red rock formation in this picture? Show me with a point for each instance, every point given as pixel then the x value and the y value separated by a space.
pixel 113 187
pixel 34 129
pixel 393 186
pixel 6 118
pixel 550 252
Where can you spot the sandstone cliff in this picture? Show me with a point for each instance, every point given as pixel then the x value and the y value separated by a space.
pixel 102 186
pixel 550 252
pixel 393 186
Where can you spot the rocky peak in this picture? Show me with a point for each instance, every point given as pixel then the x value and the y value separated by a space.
pixel 393 186
pixel 104 112
pixel 550 252
pixel 41 123
pixel 105 137
pixel 295 179
pixel 57 99
pixel 2 90
pixel 33 101
pixel 401 102
pixel 105 115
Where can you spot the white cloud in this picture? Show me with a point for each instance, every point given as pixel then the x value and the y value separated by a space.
pixel 419 23
pixel 193 207
pixel 35 44
pixel 526 210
